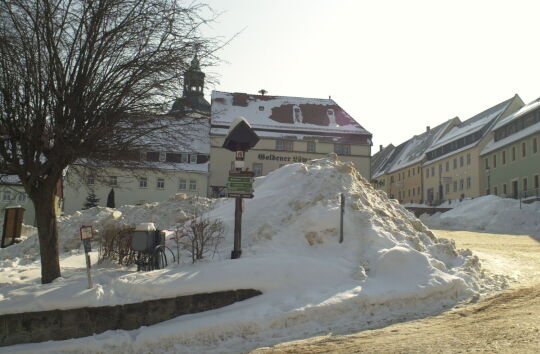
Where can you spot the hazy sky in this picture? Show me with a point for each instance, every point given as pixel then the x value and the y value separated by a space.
pixel 394 66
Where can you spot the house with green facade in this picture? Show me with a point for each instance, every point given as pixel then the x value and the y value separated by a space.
pixel 511 159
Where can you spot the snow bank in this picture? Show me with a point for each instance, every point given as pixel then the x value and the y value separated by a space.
pixel 491 214
pixel 389 267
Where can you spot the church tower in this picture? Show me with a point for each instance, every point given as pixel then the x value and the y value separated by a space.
pixel 193 94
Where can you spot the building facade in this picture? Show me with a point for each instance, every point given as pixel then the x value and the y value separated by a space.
pixel 291 129
pixel 511 159
pixel 452 169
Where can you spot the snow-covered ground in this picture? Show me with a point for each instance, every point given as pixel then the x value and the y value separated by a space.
pixel 390 267
pixel 490 214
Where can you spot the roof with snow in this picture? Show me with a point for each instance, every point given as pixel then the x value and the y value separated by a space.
pixel 534 127
pixel 379 160
pixel 478 124
pixel 281 116
pixel 413 150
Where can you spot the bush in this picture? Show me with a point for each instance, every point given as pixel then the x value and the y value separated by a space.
pixel 115 245
pixel 201 237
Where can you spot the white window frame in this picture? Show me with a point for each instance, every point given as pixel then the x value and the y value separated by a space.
pixel 256 166
pixel 311 146
pixel 184 158
pixel 192 185
pixel 342 149
pixel 160 183
pixel 182 184
pixel 284 145
pixel 113 181
pixel 193 158
pixel 90 180
pixel 143 182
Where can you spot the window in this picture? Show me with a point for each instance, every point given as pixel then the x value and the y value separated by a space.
pixel 143 182
pixel 504 189
pixel 184 158
pixel 160 183
pixel 182 185
pixel 523 150
pixel 524 184
pixel 258 169
pixel 342 149
pixel 7 195
pixel 391 179
pixel 447 166
pixel 419 189
pixel 173 157
pixel 536 182
pixel 22 197
pixel 513 153
pixel 455 186
pixel 535 145
pixel 427 172
pixel 90 180
pixel 461 161
pixel 409 173
pixel 461 184
pixel 455 164
pixel 284 145
pixel 503 157
pixel 418 169
pixel 468 159
pixel 433 171
pixel 152 156
pixel 113 180
pixel 192 185
pixel 495 191
pixel 162 157
pixel 440 169
pixel 193 158
pixel 447 188
pixel 469 182
pixel 486 163
pixel 310 146
pixel 494 161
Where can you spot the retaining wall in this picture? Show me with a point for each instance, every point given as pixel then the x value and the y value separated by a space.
pixel 81 322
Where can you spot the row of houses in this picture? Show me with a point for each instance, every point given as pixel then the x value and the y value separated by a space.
pixel 291 129
pixel 493 152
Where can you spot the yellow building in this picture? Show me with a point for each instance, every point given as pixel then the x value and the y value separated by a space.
pixel 452 169
pixel 291 129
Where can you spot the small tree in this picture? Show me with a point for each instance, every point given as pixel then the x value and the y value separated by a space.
pixel 110 199
pixel 91 201
pixel 202 237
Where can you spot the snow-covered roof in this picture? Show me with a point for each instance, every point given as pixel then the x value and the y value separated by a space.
pixel 493 145
pixel 297 115
pixel 186 134
pixel 379 160
pixel 524 110
pixel 472 125
pixel 413 150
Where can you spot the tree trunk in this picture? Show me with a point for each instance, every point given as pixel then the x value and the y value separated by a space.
pixel 44 204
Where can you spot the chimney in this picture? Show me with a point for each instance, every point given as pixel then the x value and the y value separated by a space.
pixel 427 128
pixel 380 147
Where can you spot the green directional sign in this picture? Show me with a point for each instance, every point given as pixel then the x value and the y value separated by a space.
pixel 241 180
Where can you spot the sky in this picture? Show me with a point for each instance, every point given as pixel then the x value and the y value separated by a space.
pixel 394 66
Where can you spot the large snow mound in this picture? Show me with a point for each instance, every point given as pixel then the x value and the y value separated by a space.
pixel 490 214
pixel 389 267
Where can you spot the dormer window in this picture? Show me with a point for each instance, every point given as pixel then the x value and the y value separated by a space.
pixel 261 108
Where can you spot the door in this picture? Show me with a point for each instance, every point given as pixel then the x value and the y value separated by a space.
pixel 515 189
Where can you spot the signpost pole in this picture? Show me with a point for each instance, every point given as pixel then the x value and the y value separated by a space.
pixel 342 199
pixel 86 237
pixel 237 250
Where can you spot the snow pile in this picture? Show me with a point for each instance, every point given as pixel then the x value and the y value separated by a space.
pixel 164 215
pixel 491 214
pixel 389 267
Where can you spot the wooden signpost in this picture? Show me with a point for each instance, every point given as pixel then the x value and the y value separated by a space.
pixel 241 138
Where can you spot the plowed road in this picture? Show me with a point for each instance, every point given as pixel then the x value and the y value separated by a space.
pixel 505 322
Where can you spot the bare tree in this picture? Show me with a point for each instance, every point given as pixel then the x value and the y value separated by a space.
pixel 202 236
pixel 83 79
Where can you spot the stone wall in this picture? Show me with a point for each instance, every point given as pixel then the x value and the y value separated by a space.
pixel 81 322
